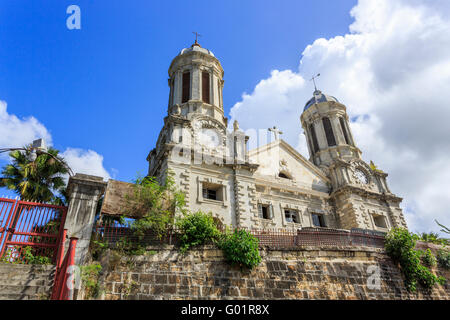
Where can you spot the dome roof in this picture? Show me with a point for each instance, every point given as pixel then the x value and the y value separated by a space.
pixel 319 97
pixel 196 47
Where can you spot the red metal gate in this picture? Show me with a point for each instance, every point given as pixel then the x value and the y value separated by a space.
pixel 29 231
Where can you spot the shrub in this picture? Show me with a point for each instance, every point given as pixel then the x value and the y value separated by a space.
pixel 89 276
pixel 241 248
pixel 428 258
pixel 197 229
pixel 443 258
pixel 398 242
pixel 399 246
pixel 156 204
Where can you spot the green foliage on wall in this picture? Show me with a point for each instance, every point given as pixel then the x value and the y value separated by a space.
pixel 443 259
pixel 89 277
pixel 399 245
pixel 240 248
pixel 196 229
pixel 428 258
pixel 26 256
pixel 157 202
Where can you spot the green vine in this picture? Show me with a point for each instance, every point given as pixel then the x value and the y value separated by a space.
pixel 400 246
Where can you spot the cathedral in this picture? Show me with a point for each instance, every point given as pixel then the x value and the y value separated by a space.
pixel 272 186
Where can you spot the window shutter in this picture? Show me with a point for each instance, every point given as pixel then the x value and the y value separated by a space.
pixel 271 211
pixel 260 214
pixel 186 87
pixel 205 193
pixel 329 132
pixel 205 87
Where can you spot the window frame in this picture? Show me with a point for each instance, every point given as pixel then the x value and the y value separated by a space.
pixel 321 219
pixel 329 133
pixel 291 212
pixel 206 87
pixel 269 211
pixel 186 86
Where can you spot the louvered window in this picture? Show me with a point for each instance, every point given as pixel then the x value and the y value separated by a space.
pixel 314 138
pixel 205 87
pixel 344 131
pixel 186 87
pixel 329 132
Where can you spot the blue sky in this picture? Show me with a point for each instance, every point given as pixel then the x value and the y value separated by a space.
pixel 100 94
pixel 104 87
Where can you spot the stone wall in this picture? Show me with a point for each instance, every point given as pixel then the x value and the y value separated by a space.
pixel 302 273
pixel 26 282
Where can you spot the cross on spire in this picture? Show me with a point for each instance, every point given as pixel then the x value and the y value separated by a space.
pixel 277 132
pixel 314 80
pixel 196 36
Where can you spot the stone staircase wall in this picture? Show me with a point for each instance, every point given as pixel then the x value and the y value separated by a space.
pixel 26 282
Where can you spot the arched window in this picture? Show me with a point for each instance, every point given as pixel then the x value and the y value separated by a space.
pixel 186 87
pixel 205 87
pixel 171 92
pixel 218 92
pixel 344 131
pixel 314 138
pixel 329 132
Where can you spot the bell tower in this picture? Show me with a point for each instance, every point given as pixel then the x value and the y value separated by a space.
pixel 359 192
pixel 196 84
pixel 325 123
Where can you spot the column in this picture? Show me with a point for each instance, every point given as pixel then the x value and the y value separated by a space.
pixel 83 191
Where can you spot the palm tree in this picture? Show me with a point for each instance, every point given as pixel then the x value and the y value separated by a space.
pixel 446 229
pixel 40 180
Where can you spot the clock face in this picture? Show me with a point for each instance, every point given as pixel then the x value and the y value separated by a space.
pixel 362 177
pixel 209 138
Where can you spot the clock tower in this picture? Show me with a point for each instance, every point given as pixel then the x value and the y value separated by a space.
pixel 210 164
pixel 359 191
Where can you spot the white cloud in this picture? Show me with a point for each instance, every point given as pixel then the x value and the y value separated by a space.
pixel 85 161
pixel 15 132
pixel 392 71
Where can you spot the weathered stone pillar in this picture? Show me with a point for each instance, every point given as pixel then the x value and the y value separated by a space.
pixel 83 191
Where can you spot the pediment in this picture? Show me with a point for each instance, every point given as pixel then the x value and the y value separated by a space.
pixel 280 161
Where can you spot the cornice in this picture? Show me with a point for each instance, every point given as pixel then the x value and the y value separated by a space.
pixel 365 193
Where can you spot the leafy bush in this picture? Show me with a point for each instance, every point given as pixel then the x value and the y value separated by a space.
pixel 156 203
pixel 26 256
pixel 432 237
pixel 196 229
pixel 443 258
pixel 399 246
pixel 241 248
pixel 398 242
pixel 428 258
pixel 89 276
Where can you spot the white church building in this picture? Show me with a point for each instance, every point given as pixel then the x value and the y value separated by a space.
pixel 272 186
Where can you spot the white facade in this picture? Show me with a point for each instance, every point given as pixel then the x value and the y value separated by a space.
pixel 272 186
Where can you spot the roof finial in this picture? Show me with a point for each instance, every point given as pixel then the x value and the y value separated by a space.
pixel 196 38
pixel 314 80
